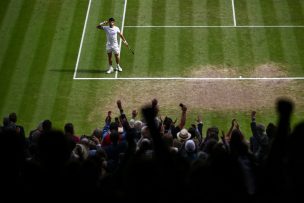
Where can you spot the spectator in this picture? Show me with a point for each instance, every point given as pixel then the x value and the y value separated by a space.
pixel 70 133
pixel 259 144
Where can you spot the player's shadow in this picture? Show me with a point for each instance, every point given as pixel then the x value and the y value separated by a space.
pixel 79 71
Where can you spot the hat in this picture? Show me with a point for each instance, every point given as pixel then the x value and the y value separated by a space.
pixel 190 146
pixel 183 135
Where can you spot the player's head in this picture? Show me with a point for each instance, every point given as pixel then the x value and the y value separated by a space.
pixel 111 22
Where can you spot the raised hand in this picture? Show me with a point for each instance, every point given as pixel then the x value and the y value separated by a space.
pixel 119 106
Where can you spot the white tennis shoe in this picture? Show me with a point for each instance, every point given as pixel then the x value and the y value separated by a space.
pixel 111 70
pixel 119 68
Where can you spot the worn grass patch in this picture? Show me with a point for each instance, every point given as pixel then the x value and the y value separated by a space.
pixel 212 95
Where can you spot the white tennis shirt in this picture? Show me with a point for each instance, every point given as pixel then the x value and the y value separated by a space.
pixel 111 35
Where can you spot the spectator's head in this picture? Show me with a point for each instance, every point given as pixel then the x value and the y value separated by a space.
pixel 190 146
pixel 97 133
pixel 212 133
pixel 114 126
pixel 167 123
pixel 183 135
pixel 46 125
pixel 209 145
pixel 6 122
pixel 69 129
pixel 138 125
pixel 132 123
pixel 168 139
pixel 145 145
pixel 236 136
pixel 261 129
pixel 8 125
pixel 155 106
pixel 13 117
pixel 145 133
pixel 237 143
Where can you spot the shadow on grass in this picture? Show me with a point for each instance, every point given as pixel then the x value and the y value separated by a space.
pixel 79 71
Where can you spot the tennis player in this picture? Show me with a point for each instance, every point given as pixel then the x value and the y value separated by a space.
pixel 112 42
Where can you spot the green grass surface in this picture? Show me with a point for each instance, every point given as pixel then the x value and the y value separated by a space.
pixel 40 40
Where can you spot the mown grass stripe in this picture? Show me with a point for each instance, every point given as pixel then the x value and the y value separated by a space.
pixel 215 36
pixel 230 45
pixel 65 82
pixel 296 11
pixel 156 51
pixel 50 78
pixel 268 12
pixel 288 40
pixel 75 107
pixel 100 55
pixel 95 51
pixel 259 46
pixel 273 35
pixel 297 15
pixel 14 48
pixel 171 41
pixel 299 33
pixel 30 96
pixel 242 12
pixel 200 48
pixel 291 52
pixel 128 60
pixel 143 39
pixel 132 12
pixel 244 43
pixel 282 13
pixel 8 24
pixel 20 72
pixel 3 9
pixel 185 42
pixel 16 36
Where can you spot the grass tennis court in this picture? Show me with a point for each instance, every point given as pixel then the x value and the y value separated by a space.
pixel 40 43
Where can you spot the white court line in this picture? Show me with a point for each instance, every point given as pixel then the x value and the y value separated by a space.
pixel 214 26
pixel 233 11
pixel 82 37
pixel 181 78
pixel 121 30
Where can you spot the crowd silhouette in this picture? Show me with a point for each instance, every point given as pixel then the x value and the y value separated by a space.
pixel 154 159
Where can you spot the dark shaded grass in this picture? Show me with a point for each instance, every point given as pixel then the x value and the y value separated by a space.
pixel 38 67
pixel 13 52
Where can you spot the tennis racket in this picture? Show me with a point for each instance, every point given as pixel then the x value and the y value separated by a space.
pixel 131 50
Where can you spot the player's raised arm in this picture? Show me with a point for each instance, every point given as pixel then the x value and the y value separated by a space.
pixel 99 26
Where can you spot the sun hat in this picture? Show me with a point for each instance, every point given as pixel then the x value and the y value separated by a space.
pixel 183 135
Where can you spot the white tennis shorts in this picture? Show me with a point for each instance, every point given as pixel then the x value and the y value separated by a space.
pixel 113 49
